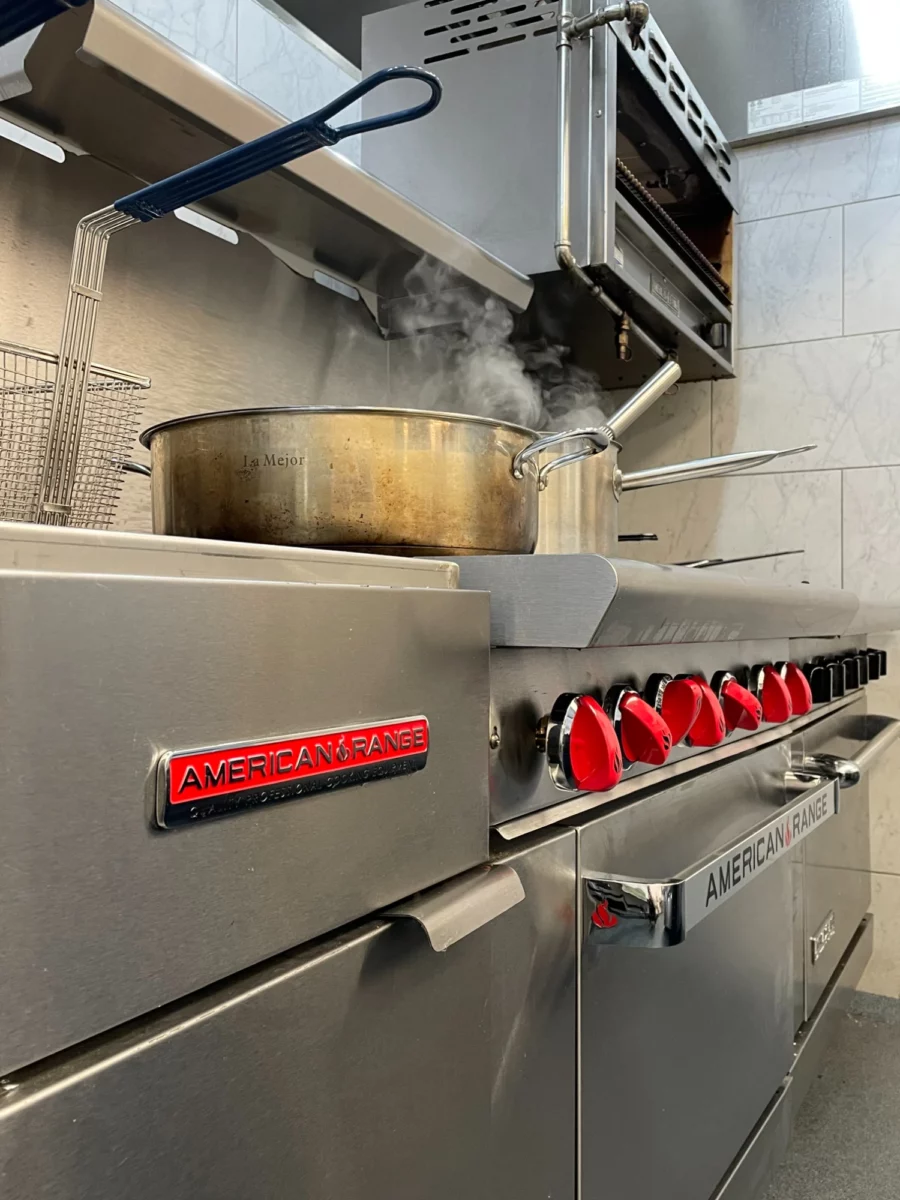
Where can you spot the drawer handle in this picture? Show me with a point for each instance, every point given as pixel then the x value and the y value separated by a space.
pixel 657 914
pixel 849 771
pixel 451 911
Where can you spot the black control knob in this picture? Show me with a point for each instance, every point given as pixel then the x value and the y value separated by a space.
pixel 838 678
pixel 874 657
pixel 820 679
pixel 863 659
pixel 850 664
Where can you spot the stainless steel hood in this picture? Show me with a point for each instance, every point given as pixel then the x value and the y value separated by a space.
pixel 105 84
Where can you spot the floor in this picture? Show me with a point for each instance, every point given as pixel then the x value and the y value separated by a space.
pixel 846 1143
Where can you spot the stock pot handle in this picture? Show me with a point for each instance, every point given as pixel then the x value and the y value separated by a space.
pixel 596 439
pixel 658 914
pixel 134 468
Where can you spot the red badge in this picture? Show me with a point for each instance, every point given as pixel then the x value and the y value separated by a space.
pixel 194 784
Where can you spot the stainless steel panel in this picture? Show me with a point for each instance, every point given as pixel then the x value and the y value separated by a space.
pixel 102 552
pixel 357 1070
pixel 763 1151
pixel 691 1045
pixel 817 1034
pixel 499 107
pixel 534 990
pixel 173 112
pixel 102 917
pixel 582 600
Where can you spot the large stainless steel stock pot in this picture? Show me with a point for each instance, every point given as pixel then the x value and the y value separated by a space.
pixel 399 481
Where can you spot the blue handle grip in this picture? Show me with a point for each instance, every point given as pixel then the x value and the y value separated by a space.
pixel 19 16
pixel 274 149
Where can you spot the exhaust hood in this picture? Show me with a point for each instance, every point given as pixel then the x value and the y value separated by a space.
pixel 99 81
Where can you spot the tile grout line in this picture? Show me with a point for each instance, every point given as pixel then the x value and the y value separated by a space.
pixel 843 270
pixel 842 527
pixel 836 337
pixel 801 212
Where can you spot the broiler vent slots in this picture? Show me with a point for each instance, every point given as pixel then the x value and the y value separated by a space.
pixel 544 22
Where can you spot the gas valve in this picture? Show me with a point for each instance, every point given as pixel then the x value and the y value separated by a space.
pixel 797 686
pixel 709 727
pixel 772 692
pixel 643 734
pixel 677 701
pixel 583 752
pixel 741 709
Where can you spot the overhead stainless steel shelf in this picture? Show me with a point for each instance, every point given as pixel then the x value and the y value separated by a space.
pixel 98 79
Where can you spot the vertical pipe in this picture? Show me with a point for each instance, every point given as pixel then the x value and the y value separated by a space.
pixel 564 128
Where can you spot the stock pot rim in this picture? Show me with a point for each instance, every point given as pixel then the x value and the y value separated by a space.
pixel 147 435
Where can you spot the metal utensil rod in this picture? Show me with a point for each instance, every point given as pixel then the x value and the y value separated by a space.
pixel 700 563
pixel 645 397
pixel 704 468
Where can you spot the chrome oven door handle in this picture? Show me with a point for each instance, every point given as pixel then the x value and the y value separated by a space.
pixel 658 914
pixel 849 771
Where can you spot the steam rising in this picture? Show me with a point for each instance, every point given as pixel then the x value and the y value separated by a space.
pixel 473 365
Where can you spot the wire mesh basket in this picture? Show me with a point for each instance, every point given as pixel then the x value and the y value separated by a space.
pixel 110 419
pixel 67 426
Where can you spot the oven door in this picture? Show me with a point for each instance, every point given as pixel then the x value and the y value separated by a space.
pixel 687 972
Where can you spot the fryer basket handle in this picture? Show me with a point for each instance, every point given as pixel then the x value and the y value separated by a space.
pixel 275 149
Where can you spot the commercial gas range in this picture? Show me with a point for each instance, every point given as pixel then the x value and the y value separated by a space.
pixel 345 876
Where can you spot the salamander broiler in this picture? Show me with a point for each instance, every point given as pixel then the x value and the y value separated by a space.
pixel 516 877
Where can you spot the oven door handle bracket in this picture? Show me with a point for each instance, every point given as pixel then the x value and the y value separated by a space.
pixel 453 910
pixel 849 771
pixel 659 914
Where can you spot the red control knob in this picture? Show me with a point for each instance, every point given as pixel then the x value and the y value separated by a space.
pixel 773 694
pixel 741 708
pixel 583 752
pixel 709 727
pixel 676 700
pixel 797 686
pixel 643 734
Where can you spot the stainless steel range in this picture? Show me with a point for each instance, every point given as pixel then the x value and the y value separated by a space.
pixel 335 875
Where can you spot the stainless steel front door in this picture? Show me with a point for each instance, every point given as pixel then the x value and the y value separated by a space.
pixel 686 1038
pixel 358 1070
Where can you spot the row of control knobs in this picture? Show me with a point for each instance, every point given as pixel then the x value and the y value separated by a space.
pixel 589 745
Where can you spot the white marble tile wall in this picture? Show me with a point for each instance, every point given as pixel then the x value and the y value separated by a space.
pixel 824 170
pixel 285 67
pixel 872 266
pixel 205 29
pixel 789 281
pixel 264 50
